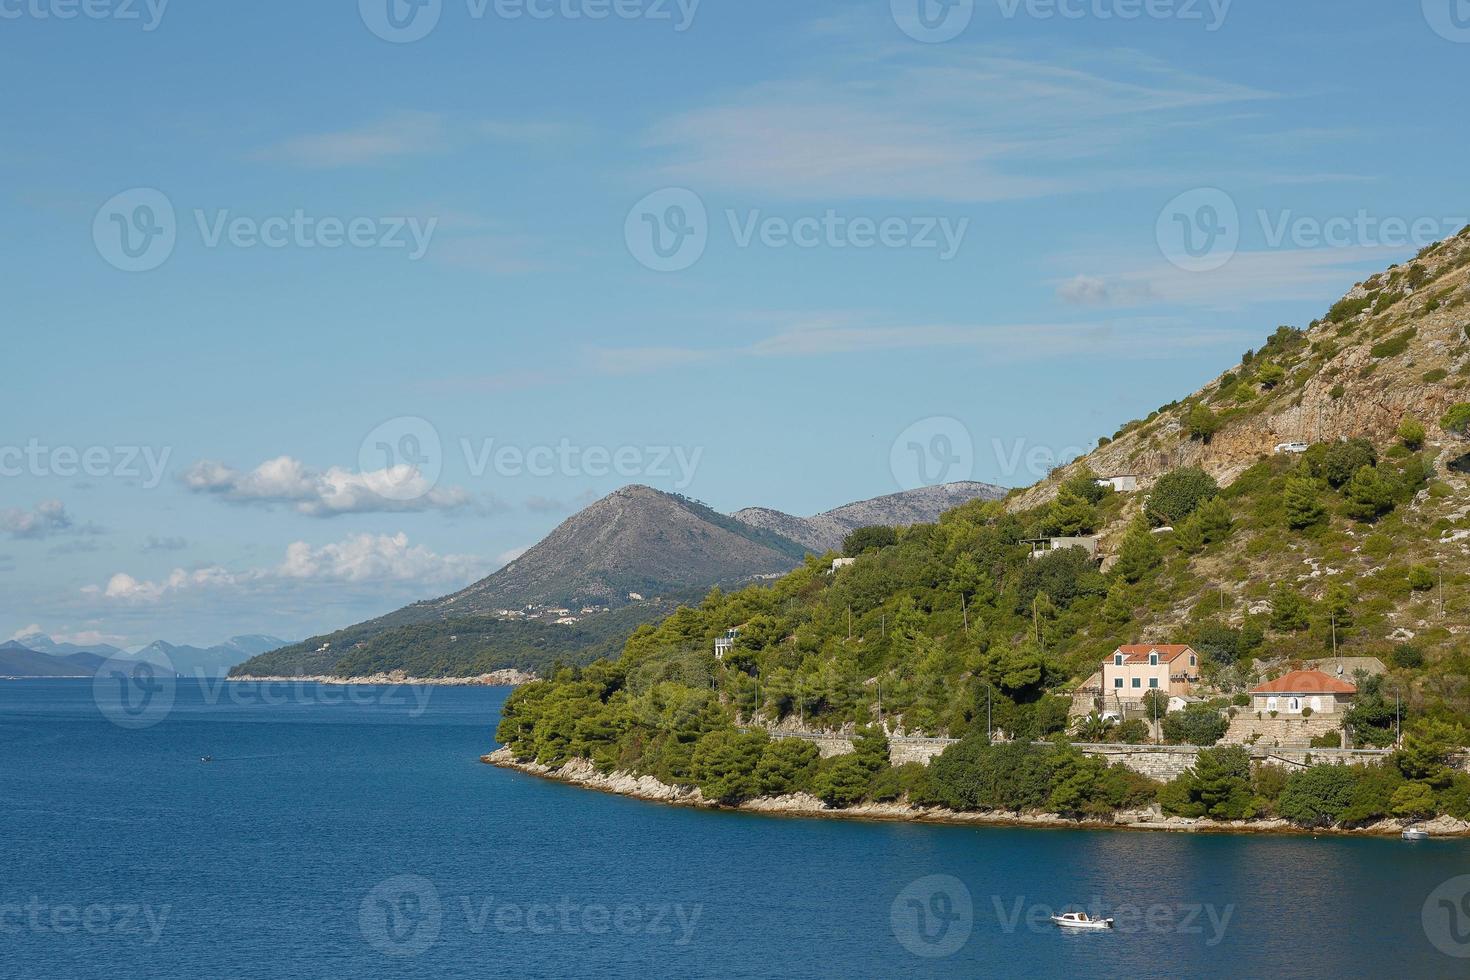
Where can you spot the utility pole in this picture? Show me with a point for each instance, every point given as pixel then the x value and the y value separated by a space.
pixel 1441 592
pixel 989 732
pixel 1334 633
pixel 849 620
pixel 965 611
pixel 880 708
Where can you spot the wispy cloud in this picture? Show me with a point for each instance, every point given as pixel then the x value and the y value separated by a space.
pixel 1249 277
pixel 407 134
pixel 830 336
pixel 955 126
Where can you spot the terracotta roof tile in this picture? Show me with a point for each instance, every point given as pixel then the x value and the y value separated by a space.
pixel 1305 682
pixel 1137 653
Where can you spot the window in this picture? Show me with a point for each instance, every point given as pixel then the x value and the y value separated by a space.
pixel 1137 682
pixel 1117 660
pixel 1270 704
pixel 1153 660
pixel 1191 660
pixel 1117 682
pixel 1153 682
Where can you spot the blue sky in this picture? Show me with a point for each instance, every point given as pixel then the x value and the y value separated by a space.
pixel 872 238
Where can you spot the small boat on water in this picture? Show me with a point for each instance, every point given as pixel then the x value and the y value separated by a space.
pixel 1415 833
pixel 206 758
pixel 1081 920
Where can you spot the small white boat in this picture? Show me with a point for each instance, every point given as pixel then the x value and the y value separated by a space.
pixel 1081 920
pixel 1415 833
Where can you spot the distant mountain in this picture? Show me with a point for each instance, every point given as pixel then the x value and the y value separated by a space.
pixel 637 541
pixel 19 661
pixel 41 643
pixel 215 660
pixel 825 532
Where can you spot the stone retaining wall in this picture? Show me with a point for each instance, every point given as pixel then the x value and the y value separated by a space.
pixel 1161 762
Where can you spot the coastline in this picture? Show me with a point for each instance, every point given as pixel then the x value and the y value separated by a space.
pixel 496 678
pixel 582 774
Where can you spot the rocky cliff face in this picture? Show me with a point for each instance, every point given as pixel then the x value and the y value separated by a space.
pixel 826 531
pixel 1396 346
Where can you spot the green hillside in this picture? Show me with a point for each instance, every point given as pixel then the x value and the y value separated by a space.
pixel 1357 545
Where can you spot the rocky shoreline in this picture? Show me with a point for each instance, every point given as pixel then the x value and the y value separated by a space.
pixel 582 773
pixel 496 678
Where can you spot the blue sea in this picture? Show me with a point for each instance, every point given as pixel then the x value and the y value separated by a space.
pixel 355 833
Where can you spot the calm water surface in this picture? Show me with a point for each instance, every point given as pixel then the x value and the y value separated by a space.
pixel 335 839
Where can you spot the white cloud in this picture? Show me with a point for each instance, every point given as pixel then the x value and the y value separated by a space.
pixel 359 559
pixel 370 558
pixel 328 493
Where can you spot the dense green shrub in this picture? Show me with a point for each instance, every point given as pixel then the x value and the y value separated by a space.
pixel 1178 493
pixel 1197 724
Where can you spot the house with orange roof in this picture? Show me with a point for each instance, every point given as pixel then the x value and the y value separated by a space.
pixel 1134 669
pixel 1303 689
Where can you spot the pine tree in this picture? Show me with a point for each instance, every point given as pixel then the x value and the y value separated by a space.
pixel 1289 611
pixel 1139 554
pixel 1303 503
pixel 1190 538
pixel 1117 608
